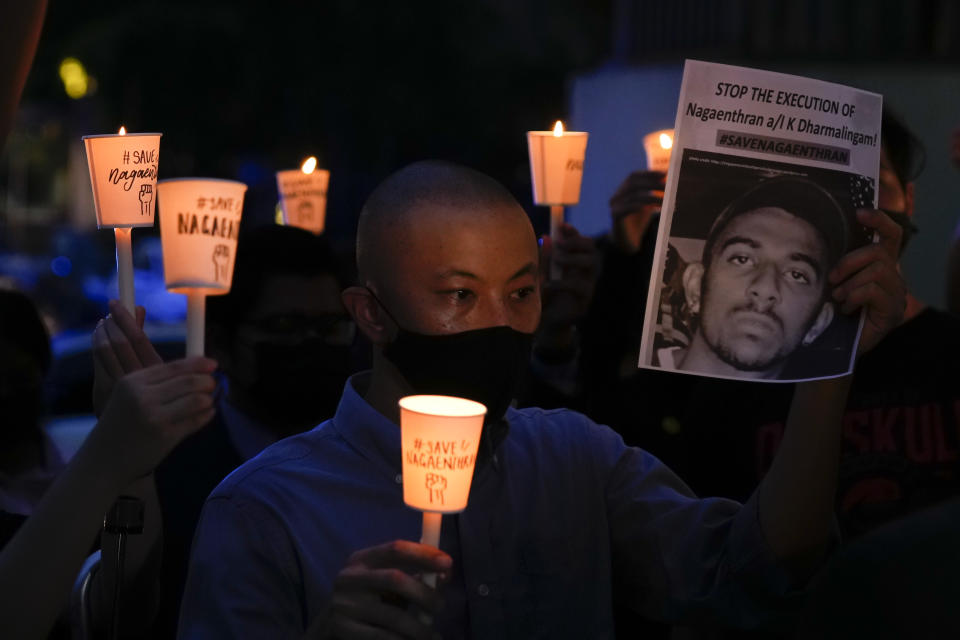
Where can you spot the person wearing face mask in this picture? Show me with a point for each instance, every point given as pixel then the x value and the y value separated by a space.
pixel 312 538
pixel 284 343
pixel 282 336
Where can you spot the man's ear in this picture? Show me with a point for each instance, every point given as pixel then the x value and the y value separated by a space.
pixel 366 312
pixel 692 280
pixel 823 320
pixel 908 196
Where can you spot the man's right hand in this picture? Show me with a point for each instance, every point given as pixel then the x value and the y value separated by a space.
pixel 119 347
pixel 372 592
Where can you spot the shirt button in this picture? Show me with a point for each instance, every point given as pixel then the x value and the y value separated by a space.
pixel 483 590
pixel 398 478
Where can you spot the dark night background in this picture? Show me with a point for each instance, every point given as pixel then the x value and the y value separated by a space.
pixel 240 89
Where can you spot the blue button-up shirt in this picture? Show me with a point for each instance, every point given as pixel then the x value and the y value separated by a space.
pixel 562 519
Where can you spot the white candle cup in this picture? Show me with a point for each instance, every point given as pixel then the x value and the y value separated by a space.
pixel 658 147
pixel 123 174
pixel 303 198
pixel 439 437
pixel 556 166
pixel 199 227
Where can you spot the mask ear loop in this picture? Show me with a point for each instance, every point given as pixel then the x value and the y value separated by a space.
pixel 382 306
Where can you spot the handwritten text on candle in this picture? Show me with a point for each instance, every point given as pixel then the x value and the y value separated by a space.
pixel 146 161
pixel 209 224
pixel 441 455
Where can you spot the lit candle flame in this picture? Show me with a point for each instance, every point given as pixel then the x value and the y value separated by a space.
pixel 123 131
pixel 558 129
pixel 665 141
pixel 309 165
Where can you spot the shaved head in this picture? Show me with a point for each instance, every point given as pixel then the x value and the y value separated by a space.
pixel 447 248
pixel 414 196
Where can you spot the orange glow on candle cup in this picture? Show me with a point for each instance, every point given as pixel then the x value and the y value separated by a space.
pixel 439 439
pixel 556 164
pixel 658 147
pixel 303 196
pixel 123 175
pixel 199 226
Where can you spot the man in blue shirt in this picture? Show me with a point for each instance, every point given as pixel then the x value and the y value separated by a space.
pixel 312 539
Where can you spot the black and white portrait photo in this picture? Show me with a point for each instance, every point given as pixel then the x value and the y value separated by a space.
pixel 743 290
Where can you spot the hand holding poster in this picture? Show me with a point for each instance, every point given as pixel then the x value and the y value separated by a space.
pixel 760 204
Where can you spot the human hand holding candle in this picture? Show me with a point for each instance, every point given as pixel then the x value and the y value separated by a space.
pixel 439 437
pixel 123 174
pixel 303 196
pixel 556 168
pixel 199 227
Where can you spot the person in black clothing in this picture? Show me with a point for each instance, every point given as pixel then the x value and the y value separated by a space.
pixel 284 344
pixel 900 440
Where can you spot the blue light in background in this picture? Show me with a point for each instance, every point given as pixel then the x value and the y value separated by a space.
pixel 253 173
pixel 61 266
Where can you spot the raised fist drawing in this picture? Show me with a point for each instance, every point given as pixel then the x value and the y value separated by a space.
pixel 221 263
pixel 436 485
pixel 305 211
pixel 146 197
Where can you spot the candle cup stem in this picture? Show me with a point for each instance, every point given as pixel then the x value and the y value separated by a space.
pixel 123 239
pixel 556 221
pixel 431 537
pixel 196 320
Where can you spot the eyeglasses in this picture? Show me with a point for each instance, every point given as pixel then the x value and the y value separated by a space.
pixel 334 328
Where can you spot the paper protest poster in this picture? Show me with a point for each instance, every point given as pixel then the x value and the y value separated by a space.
pixel 303 198
pixel 123 174
pixel 766 175
pixel 199 227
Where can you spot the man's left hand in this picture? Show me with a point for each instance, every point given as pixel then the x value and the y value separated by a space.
pixel 869 278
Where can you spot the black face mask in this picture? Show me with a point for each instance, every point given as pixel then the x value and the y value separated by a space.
pixel 485 365
pixel 909 229
pixel 299 384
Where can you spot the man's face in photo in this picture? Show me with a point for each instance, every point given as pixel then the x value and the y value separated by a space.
pixel 763 289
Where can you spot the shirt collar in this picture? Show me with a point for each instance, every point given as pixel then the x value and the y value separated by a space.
pixel 367 430
pixel 378 439
pixel 248 436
